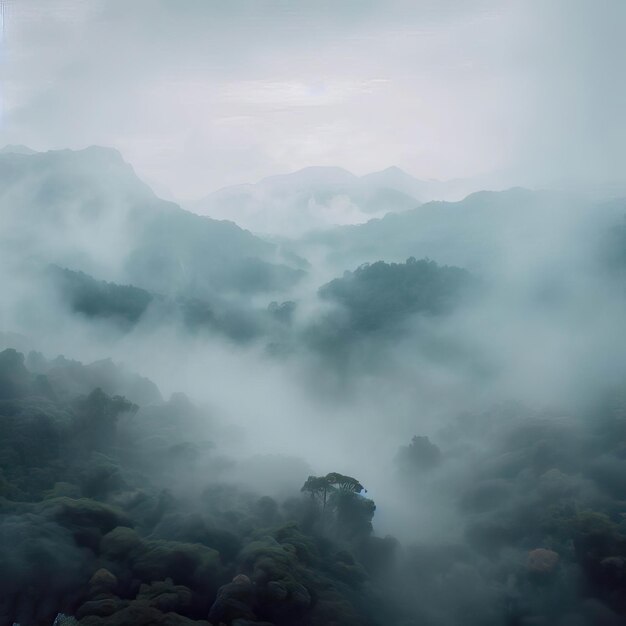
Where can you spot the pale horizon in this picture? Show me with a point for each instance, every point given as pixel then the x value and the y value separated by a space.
pixel 205 96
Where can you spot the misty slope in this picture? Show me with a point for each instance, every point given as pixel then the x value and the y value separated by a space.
pixel 124 307
pixel 379 294
pixel 17 149
pixel 311 198
pixel 479 232
pixel 319 197
pixel 423 190
pixel 380 304
pixel 122 514
pixel 372 303
pixel 88 210
pixel 413 376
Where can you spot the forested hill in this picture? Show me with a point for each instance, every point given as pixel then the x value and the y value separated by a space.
pixel 118 513
pixel 479 232
pixel 381 294
pixel 88 210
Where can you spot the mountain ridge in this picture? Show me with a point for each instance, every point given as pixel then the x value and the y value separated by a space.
pixel 88 209
pixel 316 197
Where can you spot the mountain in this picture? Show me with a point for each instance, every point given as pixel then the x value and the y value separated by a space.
pixel 88 210
pixel 311 198
pixel 310 178
pixel 479 232
pixel 424 190
pixel 319 197
pixel 395 178
pixel 17 149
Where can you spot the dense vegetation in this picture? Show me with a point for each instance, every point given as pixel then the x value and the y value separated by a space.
pixel 370 302
pixel 118 507
pixel 380 303
pixel 116 513
pixel 479 232
pixel 380 294
pixel 125 306
pixel 88 210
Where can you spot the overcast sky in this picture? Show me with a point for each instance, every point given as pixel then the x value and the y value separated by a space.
pixel 199 94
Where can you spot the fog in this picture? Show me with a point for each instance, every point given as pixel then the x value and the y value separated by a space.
pixel 211 95
pixel 338 393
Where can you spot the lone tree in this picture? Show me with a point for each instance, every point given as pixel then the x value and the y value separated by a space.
pixel 352 514
pixel 345 483
pixel 320 487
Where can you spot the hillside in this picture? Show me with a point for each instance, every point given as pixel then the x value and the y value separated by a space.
pixel 315 197
pixel 478 232
pixel 88 210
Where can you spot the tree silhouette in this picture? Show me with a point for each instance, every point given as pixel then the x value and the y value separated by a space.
pixel 320 487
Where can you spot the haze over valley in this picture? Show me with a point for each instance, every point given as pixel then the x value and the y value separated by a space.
pixel 312 315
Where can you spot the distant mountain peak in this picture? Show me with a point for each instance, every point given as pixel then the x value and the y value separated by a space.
pixel 314 174
pixel 490 194
pixel 101 166
pixel 321 196
pixel 102 154
pixel 392 172
pixel 101 158
pixel 394 169
pixel 17 149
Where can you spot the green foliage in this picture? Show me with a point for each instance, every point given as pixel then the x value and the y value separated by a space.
pixel 93 298
pixel 322 485
pixel 354 514
pixel 165 596
pixel 185 563
pixel 347 569
pixel 120 543
pixel 84 513
pixel 86 465
pixel 127 305
pixel 350 514
pixel 381 295
pixel 15 380
pixel 96 418
pixel 100 477
pixel 317 486
pixel 344 483
pixel 72 378
pixel 63 490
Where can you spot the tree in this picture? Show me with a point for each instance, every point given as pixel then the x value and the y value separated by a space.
pixel 96 418
pixel 345 483
pixel 318 487
pixel 353 514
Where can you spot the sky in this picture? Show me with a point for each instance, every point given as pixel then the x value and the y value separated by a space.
pixel 200 94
